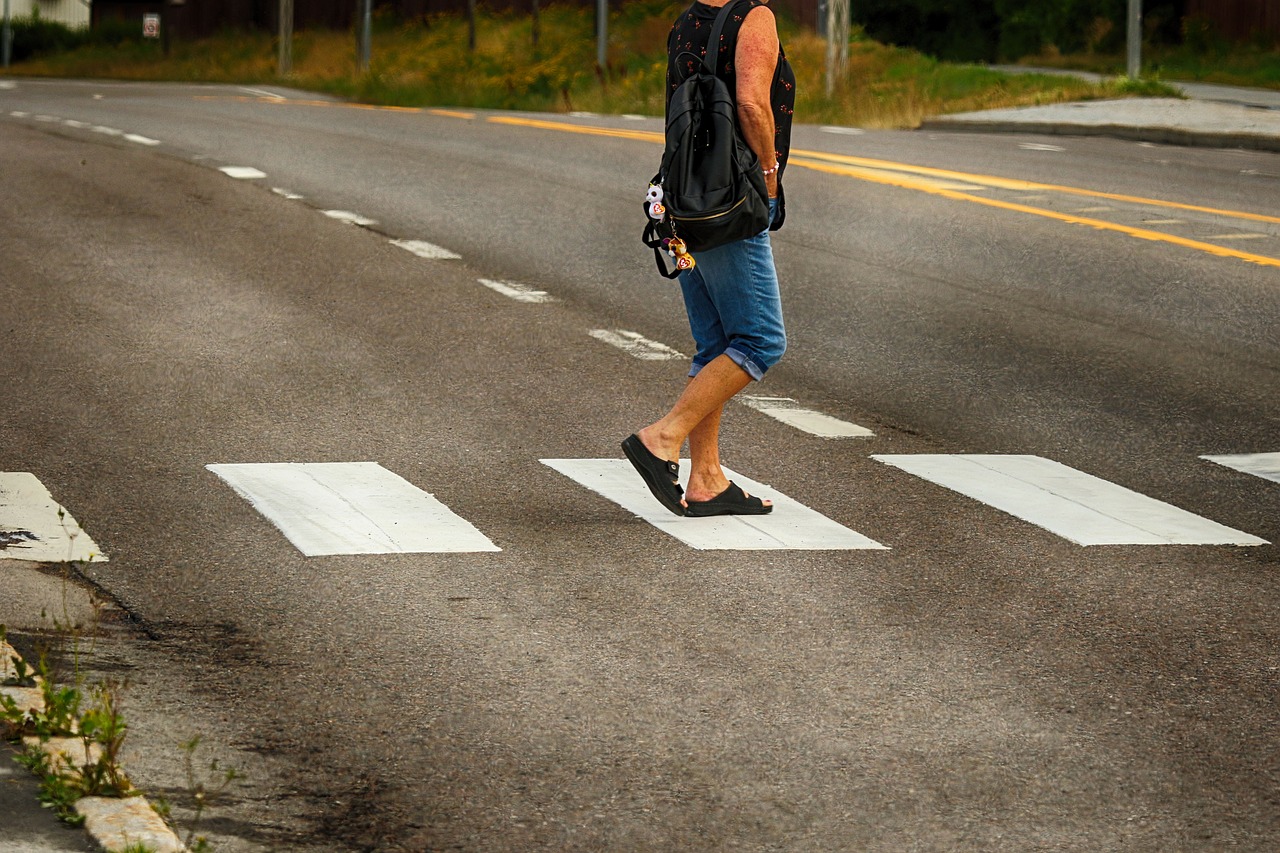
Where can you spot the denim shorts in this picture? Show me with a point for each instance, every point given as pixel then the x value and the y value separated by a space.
pixel 734 305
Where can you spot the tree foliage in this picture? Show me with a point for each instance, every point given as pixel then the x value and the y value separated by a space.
pixel 988 30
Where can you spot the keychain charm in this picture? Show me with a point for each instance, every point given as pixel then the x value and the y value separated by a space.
pixel 676 248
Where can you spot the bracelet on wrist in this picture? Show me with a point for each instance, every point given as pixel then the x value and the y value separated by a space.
pixel 776 166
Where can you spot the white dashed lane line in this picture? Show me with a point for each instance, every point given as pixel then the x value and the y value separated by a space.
pixel 518 292
pixel 350 217
pixel 430 251
pixel 636 345
pixel 792 414
pixel 141 140
pixel 242 173
pixel 289 194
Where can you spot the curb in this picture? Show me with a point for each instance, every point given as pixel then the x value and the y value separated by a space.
pixel 114 823
pixel 1132 133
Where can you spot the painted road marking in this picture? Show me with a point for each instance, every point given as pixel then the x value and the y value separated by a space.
pixel 19 114
pixel 1039 146
pixel 1072 504
pixel 1102 208
pixel 242 173
pixel 515 290
pixel 636 345
pixel 423 249
pixel 263 93
pixel 289 194
pixel 327 508
pixel 842 131
pixel 141 140
pixel 1244 236
pixel 1265 465
pixel 793 414
pixel 79 125
pixel 1164 222
pixel 46 118
pixel 348 216
pixel 907 176
pixel 791 525
pixel 34 527
pixel 8 84
pixel 109 131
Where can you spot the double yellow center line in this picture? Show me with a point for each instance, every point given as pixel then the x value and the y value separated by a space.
pixel 956 185
pixel 946 183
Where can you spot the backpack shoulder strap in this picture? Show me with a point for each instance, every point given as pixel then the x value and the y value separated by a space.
pixel 713 49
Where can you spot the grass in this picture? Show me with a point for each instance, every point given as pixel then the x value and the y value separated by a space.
pixel 427 63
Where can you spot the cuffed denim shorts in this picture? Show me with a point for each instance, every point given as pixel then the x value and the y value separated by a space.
pixel 734 305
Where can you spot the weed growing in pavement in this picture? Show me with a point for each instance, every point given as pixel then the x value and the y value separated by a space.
pixel 203 791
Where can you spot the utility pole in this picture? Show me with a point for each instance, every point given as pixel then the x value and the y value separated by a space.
pixel 6 37
pixel 286 38
pixel 837 42
pixel 366 34
pixel 1135 39
pixel 602 35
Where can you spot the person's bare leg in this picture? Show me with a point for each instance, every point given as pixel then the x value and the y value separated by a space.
pixel 696 416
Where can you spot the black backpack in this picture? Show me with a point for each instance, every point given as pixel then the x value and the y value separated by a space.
pixel 712 189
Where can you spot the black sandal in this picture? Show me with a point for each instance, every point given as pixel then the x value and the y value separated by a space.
pixel 732 501
pixel 662 476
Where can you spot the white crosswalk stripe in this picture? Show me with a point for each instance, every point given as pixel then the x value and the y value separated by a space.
pixel 328 508
pixel 1069 503
pixel 1265 465
pixel 791 525
pixel 33 526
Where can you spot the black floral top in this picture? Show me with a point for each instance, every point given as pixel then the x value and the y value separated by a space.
pixel 688 39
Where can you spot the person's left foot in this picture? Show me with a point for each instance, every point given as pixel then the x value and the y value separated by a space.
pixel 732 501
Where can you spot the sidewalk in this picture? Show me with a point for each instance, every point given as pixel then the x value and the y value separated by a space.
pixel 1211 116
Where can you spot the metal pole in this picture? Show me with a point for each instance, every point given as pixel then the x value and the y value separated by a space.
pixel 1135 39
pixel 602 33
pixel 837 43
pixel 286 38
pixel 366 34
pixel 7 36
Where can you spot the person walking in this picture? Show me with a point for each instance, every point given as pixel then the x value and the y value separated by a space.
pixel 731 295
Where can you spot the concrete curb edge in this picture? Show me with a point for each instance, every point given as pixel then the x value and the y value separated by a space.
pixel 114 823
pixel 1160 135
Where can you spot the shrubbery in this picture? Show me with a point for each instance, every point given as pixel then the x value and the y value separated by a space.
pixel 34 36
pixel 988 30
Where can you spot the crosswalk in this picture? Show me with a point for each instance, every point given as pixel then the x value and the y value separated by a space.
pixel 335 508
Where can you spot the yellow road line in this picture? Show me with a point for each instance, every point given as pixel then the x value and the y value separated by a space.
pixel 639 135
pixel 1139 233
pixel 246 99
pixel 1012 184
pixel 886 172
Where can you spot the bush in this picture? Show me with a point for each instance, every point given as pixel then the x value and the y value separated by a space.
pixel 35 36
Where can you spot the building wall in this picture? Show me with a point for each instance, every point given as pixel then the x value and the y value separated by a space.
pixel 73 13
pixel 1239 19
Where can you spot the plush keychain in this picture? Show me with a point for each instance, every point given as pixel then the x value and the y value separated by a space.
pixel 677 249
pixel 654 198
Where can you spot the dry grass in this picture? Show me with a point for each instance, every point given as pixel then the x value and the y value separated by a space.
pixel 428 64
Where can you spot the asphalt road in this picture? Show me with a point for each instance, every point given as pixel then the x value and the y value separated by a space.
pixel 596 684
